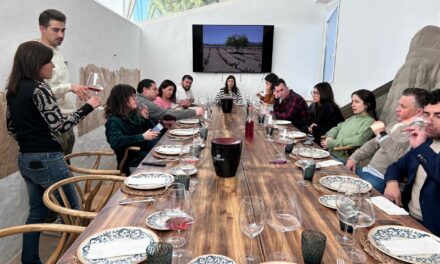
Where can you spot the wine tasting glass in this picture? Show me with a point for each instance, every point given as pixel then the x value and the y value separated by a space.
pixel 283 140
pixel 347 205
pixel 398 132
pixel 269 125
pixel 95 82
pixel 284 215
pixel 252 219
pixel 306 155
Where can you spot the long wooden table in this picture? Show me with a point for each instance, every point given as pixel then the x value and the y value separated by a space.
pixel 217 201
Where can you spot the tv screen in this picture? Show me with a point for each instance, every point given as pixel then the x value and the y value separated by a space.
pixel 232 48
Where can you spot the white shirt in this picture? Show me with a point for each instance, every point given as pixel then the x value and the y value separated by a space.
pixel 182 94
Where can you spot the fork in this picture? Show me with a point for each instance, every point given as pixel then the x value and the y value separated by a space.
pixel 340 261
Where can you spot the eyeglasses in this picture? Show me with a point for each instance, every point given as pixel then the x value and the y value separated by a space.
pixel 315 93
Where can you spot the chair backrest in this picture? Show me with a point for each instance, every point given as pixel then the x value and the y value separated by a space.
pixel 65 240
pixel 100 189
pixel 94 169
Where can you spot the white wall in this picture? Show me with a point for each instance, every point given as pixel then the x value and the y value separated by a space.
pixel 166 47
pixel 94 35
pixel 373 40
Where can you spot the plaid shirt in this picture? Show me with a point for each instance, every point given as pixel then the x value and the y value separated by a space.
pixel 293 108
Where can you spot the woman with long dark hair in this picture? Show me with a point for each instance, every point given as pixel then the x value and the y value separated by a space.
pixel 125 128
pixel 354 131
pixel 35 121
pixel 324 113
pixel 167 94
pixel 229 90
pixel 269 97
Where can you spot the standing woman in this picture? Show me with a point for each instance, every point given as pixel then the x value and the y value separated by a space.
pixel 269 97
pixel 324 113
pixel 167 95
pixel 35 121
pixel 230 89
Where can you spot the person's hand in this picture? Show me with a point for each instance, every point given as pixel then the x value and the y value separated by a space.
pixel 200 111
pixel 351 165
pixel 185 103
pixel 258 94
pixel 392 193
pixel 150 134
pixel 324 142
pixel 80 90
pixel 94 101
pixel 143 110
pixel 416 136
pixel 311 127
pixel 377 127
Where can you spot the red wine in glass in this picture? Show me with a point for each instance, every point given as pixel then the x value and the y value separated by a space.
pixel 179 223
pixel 269 130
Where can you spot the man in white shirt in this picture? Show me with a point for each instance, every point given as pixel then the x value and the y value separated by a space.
pixel 184 94
pixel 52 27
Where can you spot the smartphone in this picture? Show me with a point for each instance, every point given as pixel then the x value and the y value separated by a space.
pixel 158 127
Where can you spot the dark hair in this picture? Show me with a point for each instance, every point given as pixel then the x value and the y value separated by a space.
pixel 117 102
pixel 280 81
pixel 186 76
pixel 50 14
pixel 28 60
pixel 234 88
pixel 144 83
pixel 420 96
pixel 164 85
pixel 271 78
pixel 326 94
pixel 434 97
pixel 369 101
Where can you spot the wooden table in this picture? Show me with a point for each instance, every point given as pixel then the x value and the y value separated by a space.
pixel 217 200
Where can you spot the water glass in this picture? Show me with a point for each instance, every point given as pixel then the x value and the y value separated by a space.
pixel 312 246
pixel 159 253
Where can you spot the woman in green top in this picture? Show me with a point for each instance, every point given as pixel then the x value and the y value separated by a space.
pixel 356 130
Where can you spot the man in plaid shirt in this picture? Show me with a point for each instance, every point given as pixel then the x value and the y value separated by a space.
pixel 289 105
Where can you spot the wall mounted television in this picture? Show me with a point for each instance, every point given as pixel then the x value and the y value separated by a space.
pixel 232 48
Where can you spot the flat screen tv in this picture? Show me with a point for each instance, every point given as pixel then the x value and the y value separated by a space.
pixel 232 48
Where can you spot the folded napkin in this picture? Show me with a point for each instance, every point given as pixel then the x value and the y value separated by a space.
pixel 118 248
pixel 409 247
pixel 327 163
pixel 146 181
pixel 387 206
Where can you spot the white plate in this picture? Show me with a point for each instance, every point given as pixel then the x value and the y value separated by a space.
pixel 334 181
pixel 212 259
pixel 170 149
pixel 282 122
pixel 296 134
pixel 389 232
pixel 184 132
pixel 317 153
pixel 115 235
pixel 149 180
pixel 176 171
pixel 158 220
pixel 328 200
pixel 188 121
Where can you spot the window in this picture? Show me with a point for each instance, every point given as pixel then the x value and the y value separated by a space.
pixel 330 43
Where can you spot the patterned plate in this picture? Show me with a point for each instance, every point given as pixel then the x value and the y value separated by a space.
pixel 328 200
pixel 188 121
pixel 296 134
pixel 169 149
pixel 385 233
pixel 332 182
pixel 184 131
pixel 212 259
pixel 317 153
pixel 300 163
pixel 114 237
pixel 149 180
pixel 158 220
pixel 282 122
pixel 176 171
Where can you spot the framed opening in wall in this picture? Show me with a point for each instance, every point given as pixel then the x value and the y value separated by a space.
pixel 331 37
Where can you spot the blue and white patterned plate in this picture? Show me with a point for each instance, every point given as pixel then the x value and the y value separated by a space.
pixel 388 232
pixel 332 182
pixel 212 259
pixel 170 149
pixel 177 171
pixel 188 121
pixel 158 220
pixel 121 233
pixel 184 131
pixel 307 153
pixel 328 200
pixel 149 180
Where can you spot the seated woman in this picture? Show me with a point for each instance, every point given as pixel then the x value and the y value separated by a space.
pixel 167 95
pixel 125 128
pixel 230 89
pixel 356 130
pixel 324 113
pixel 269 97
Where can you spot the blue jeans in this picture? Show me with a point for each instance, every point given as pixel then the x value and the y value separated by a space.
pixel 39 171
pixel 378 183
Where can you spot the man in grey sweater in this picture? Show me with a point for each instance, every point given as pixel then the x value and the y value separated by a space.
pixel 382 150
pixel 147 93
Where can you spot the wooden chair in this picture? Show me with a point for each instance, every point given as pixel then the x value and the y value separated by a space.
pixel 64 242
pixel 93 193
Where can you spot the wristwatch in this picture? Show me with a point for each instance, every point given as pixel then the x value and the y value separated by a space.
pixel 382 134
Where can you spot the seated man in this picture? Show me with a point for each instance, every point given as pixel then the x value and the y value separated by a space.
pixel 147 93
pixel 421 165
pixel 382 150
pixel 289 105
pixel 184 94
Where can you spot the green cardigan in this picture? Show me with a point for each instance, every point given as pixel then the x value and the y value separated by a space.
pixel 354 132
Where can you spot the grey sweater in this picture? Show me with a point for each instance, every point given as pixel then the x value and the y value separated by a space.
pixel 156 112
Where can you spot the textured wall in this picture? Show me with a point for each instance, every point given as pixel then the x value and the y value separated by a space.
pixel 8 146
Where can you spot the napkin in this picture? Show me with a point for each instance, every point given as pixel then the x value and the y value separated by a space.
pixel 387 206
pixel 146 181
pixel 328 163
pixel 409 247
pixel 118 248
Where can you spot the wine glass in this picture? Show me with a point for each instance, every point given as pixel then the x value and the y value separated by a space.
pixel 307 160
pixel 252 219
pixel 347 205
pixel 284 215
pixel 269 125
pixel 398 132
pixel 95 82
pixel 283 140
